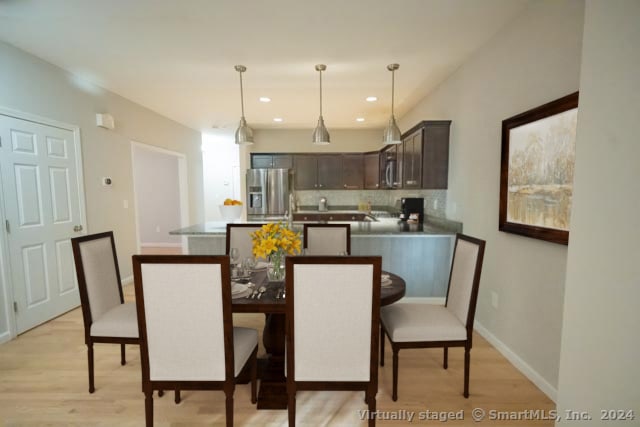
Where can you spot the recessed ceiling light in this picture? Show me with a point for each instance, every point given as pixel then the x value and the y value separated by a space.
pixel 371 98
pixel 278 119
pixel 360 119
pixel 264 99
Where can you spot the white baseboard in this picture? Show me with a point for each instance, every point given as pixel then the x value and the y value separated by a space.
pixel 5 337
pixel 520 364
pixel 161 245
pixel 126 280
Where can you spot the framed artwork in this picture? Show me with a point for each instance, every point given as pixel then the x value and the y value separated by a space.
pixel 536 170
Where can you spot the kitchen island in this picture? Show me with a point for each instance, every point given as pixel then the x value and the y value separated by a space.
pixel 420 253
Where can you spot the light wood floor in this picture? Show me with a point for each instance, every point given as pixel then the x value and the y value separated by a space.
pixel 43 381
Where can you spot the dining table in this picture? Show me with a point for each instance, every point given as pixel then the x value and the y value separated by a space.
pixel 273 386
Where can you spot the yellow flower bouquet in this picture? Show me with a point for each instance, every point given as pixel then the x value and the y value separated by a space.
pixel 274 241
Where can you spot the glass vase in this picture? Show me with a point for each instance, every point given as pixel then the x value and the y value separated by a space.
pixel 275 268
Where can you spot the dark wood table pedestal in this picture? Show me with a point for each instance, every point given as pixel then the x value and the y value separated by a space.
pixel 273 383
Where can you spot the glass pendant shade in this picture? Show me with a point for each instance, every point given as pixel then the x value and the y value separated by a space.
pixel 244 134
pixel 392 134
pixel 320 133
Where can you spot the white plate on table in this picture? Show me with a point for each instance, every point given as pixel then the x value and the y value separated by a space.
pixel 240 290
pixel 260 265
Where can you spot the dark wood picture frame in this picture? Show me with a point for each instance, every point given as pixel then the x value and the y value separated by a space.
pixel 550 109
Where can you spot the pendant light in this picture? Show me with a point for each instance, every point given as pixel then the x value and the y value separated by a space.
pixel 392 133
pixel 244 134
pixel 320 133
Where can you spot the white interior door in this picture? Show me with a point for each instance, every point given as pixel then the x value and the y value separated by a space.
pixel 42 206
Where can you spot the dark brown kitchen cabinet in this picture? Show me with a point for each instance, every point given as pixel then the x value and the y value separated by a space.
pixel 372 171
pixel 435 154
pixel 271 161
pixel 352 171
pixel 412 160
pixel 318 171
pixel 330 172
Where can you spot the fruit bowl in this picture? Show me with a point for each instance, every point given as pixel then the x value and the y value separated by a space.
pixel 230 212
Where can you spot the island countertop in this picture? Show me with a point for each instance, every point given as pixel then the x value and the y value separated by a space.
pixel 383 226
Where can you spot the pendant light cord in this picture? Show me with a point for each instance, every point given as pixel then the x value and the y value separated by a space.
pixel 320 93
pixel 393 91
pixel 241 95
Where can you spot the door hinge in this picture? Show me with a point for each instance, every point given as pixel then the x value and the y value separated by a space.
pixel 7 226
pixel 15 307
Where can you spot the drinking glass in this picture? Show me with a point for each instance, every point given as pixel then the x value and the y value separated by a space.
pixel 234 254
pixel 248 264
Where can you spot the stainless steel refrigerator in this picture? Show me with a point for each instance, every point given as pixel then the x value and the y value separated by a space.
pixel 268 191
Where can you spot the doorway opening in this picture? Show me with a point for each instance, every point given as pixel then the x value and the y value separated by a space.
pixel 160 197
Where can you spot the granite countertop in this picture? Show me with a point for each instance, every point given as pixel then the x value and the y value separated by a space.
pixel 382 226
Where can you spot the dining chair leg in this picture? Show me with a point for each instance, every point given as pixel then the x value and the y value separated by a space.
pixel 291 407
pixel 148 408
pixel 254 376
pixel 371 401
pixel 394 394
pixel 445 363
pixel 90 367
pixel 177 398
pixel 381 346
pixel 123 358
pixel 229 408
pixel 467 360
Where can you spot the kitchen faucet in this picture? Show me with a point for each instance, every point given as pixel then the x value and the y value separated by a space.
pixel 322 204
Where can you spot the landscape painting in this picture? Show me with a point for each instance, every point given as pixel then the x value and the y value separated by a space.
pixel 538 158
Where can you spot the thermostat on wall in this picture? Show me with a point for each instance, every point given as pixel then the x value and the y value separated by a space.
pixel 106 181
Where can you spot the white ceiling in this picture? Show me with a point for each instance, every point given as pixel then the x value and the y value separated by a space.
pixel 177 57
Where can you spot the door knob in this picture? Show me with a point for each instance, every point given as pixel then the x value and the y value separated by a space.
pixel 77 228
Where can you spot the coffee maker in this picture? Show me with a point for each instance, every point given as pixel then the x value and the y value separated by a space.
pixel 412 209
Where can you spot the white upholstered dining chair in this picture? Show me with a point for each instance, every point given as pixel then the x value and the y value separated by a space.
pixel 187 338
pixel 332 315
pixel 239 236
pixel 327 239
pixel 106 317
pixel 419 325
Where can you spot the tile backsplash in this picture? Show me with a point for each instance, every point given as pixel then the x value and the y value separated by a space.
pixel 435 201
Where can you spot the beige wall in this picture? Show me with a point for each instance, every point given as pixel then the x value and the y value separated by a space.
pixel 600 344
pixel 32 85
pixel 535 59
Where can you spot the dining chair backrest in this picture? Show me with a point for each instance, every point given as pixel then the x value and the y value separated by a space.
pixel 327 239
pixel 334 301
pixel 239 236
pixel 184 317
pixel 464 279
pixel 98 274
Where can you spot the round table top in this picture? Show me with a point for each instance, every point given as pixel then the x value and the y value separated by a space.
pixel 268 303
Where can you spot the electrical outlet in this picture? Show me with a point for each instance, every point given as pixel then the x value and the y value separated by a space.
pixel 494 299
pixel 125 204
pixel 435 204
pixel 157 228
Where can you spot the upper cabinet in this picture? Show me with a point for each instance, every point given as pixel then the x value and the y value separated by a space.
pixel 371 163
pixel 353 171
pixel 412 164
pixel 421 161
pixel 271 161
pixel 318 171
pixel 435 154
